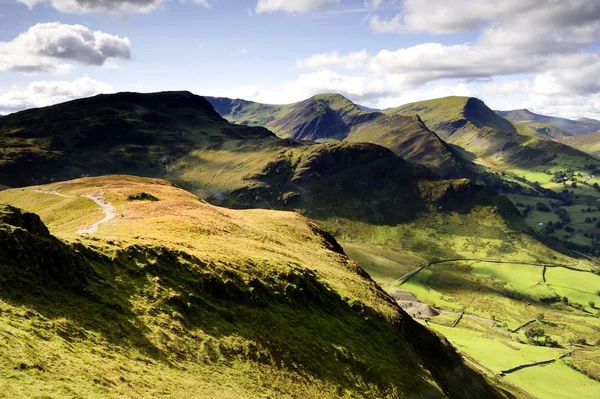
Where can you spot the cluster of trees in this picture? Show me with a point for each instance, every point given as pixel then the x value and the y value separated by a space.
pixel 561 176
pixel 538 337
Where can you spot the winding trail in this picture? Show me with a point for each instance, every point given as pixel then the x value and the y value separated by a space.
pixel 107 208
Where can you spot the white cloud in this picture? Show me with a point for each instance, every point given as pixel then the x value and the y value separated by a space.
pixel 506 87
pixel 293 6
pixel 549 40
pixel 87 6
pixel 43 93
pixel 335 59
pixel 106 6
pixel 51 47
pixel 246 91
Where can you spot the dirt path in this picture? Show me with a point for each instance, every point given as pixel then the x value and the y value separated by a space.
pixel 53 192
pixel 107 208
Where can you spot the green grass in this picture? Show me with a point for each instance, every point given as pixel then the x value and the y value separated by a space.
pixel 383 264
pixel 496 353
pixel 579 287
pixel 542 382
pixel 191 299
pixel 82 211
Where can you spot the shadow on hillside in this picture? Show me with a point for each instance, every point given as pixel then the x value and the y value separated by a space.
pixel 40 272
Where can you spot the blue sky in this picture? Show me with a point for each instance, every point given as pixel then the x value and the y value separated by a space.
pixel 538 54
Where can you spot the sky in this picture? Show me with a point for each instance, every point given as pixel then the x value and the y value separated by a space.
pixel 543 55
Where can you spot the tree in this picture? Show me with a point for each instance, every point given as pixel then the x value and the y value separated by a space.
pixel 588 220
pixel 574 185
pixel 541 207
pixel 592 304
pixel 565 300
pixel 540 317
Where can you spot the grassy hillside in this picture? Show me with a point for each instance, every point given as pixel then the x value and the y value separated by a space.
pixel 470 124
pixel 551 126
pixel 589 143
pixel 125 132
pixel 174 297
pixel 333 117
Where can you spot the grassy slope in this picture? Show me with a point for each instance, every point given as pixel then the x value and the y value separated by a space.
pixel 182 298
pixel 589 143
pixel 469 123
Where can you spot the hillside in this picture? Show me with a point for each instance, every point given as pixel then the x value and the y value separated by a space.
pixel 589 143
pixel 182 297
pixel 125 132
pixel 470 124
pixel 551 126
pixel 328 117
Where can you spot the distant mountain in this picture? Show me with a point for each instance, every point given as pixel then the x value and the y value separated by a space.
pixel 369 109
pixel 322 117
pixel 469 123
pixel 551 126
pixel 333 117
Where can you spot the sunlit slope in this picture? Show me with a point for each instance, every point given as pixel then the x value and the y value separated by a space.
pixel 175 297
pixel 589 143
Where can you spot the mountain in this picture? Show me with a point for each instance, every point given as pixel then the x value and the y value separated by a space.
pixel 176 296
pixel 469 123
pixel 333 117
pixel 551 126
pixel 369 109
pixel 589 143
pixel 322 117
pixel 124 132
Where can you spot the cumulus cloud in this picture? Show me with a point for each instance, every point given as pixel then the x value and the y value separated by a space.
pixel 44 93
pixel 52 47
pixel 448 16
pixel 547 39
pixel 292 7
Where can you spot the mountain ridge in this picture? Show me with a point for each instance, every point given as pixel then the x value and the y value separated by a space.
pixel 334 117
